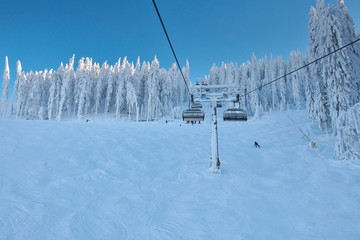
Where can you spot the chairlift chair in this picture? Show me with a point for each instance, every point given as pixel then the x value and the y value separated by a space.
pixel 235 114
pixel 193 115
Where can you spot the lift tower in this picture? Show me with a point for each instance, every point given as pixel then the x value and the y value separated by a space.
pixel 216 95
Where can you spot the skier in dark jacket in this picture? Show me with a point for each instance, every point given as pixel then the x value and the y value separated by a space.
pixel 256 144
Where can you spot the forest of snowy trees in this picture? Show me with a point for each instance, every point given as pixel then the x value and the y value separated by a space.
pixel 329 89
pixel 136 92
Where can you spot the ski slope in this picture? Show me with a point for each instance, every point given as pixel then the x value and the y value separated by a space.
pixel 126 180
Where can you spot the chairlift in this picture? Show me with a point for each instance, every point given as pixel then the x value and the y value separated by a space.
pixel 235 114
pixel 193 115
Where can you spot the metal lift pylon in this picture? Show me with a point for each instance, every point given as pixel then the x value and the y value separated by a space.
pixel 215 94
pixel 214 159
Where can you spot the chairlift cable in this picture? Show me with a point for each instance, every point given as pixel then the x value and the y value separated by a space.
pixel 306 65
pixel 172 49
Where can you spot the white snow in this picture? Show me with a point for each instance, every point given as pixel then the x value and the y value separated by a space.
pixel 126 180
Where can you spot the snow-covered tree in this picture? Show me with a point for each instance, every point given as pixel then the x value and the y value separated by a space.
pixel 330 28
pixel 348 133
pixel 282 83
pixel 274 74
pixel 109 100
pixel 153 100
pixel 144 90
pixel 222 74
pixel 5 85
pixel 309 92
pixel 265 92
pixel 55 91
pixel 214 76
pixel 100 89
pixel 131 100
pixel 66 88
pixel 122 74
pixel 148 92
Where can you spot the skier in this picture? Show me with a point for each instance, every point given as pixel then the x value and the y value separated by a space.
pixel 256 144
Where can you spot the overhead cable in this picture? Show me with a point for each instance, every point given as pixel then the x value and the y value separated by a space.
pixel 172 49
pixel 306 65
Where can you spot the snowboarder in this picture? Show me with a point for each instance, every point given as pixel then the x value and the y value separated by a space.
pixel 256 144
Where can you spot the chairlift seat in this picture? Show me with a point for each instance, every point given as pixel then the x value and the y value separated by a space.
pixel 193 115
pixel 235 114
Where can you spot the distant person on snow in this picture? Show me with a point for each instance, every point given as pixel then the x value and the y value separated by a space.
pixel 256 144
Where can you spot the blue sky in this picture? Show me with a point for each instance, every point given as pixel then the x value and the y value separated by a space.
pixel 44 33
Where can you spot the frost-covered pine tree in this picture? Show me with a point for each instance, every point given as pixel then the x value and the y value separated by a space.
pixel 186 71
pixel 245 81
pixel 274 74
pixel 5 85
pixel 94 76
pixel 82 78
pixel 214 76
pixel 100 89
pixel 265 92
pixel 222 74
pixel 109 99
pixel 337 75
pixel 122 74
pixel 321 111
pixel 242 85
pixel 309 91
pixel 55 91
pixel 67 88
pixel 253 97
pixel 297 79
pixel 173 82
pixel 136 82
pixel 230 74
pixel 143 90
pixel 342 74
pixel 282 83
pixel 47 79
pixel 19 89
pixel 348 133
pixel 131 100
pixel 154 97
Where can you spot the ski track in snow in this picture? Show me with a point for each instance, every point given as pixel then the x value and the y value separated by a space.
pixel 126 180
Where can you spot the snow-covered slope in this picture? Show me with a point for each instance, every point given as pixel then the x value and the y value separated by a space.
pixel 126 180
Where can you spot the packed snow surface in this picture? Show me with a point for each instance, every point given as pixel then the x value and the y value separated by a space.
pixel 127 180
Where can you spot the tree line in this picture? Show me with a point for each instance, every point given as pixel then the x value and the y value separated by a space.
pixel 140 93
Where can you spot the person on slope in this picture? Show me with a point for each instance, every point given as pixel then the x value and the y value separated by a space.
pixel 256 144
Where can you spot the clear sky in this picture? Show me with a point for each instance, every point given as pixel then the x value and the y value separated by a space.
pixel 43 33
